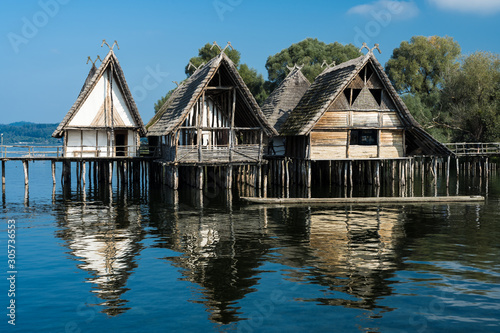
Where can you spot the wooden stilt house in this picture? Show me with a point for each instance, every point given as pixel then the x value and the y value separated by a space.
pixel 352 111
pixel 212 118
pixel 280 103
pixel 104 120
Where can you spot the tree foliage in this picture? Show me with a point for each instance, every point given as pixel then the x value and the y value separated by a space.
pixel 311 53
pixel 471 95
pixel 28 132
pixel 417 67
pixel 254 81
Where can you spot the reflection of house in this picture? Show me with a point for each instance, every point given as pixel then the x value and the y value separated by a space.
pixel 347 250
pixel 278 106
pixel 105 242
pixel 211 118
pixel 351 111
pixel 219 255
pixel 104 120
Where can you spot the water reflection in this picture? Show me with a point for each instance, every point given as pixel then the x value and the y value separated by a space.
pixel 348 250
pixel 105 239
pixel 348 254
pixel 219 254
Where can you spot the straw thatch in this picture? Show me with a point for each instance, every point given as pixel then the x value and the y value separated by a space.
pixel 90 82
pixel 173 113
pixel 278 106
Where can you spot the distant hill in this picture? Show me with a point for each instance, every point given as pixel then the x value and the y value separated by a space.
pixel 27 132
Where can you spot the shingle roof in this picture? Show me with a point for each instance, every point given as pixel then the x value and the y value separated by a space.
pixel 332 82
pixel 90 82
pixel 175 110
pixel 278 106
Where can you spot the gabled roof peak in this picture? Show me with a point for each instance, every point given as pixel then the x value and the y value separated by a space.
pixel 370 51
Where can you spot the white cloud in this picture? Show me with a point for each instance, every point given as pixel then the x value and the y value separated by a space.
pixel 400 10
pixel 468 6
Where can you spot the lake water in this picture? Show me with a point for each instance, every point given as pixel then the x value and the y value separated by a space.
pixel 138 260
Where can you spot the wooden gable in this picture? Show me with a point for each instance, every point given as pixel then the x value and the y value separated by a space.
pixel 364 102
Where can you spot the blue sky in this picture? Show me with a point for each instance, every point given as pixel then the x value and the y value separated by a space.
pixel 45 44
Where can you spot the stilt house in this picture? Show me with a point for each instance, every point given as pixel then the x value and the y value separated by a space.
pixel 280 103
pixel 104 120
pixel 352 111
pixel 212 118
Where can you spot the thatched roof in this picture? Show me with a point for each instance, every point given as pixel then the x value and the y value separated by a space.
pixel 330 84
pixel 278 106
pixel 90 82
pixel 173 113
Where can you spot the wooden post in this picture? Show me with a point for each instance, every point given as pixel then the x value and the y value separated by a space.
pixel 350 174
pixel 3 173
pixel 377 173
pixel 110 174
pixel 231 129
pixel 83 172
pixel 229 177
pixel 66 174
pixel 199 178
pixel 259 178
pixel 264 183
pixel 175 177
pixel 308 171
pixel 345 173
pixel 448 172
pixel 124 173
pixel 26 172
pixel 486 167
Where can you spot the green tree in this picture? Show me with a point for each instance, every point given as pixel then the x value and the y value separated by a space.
pixel 254 81
pixel 471 94
pixel 416 69
pixel 209 51
pixel 311 53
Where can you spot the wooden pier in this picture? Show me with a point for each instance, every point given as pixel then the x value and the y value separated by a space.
pixel 100 168
pixel 270 172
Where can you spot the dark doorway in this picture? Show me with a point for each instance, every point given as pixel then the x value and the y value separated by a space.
pixel 121 143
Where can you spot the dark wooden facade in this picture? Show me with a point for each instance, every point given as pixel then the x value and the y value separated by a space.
pixel 210 119
pixel 351 111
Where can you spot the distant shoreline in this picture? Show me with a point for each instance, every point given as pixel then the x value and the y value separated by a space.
pixel 28 133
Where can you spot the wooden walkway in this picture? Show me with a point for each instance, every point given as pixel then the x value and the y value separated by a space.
pixel 56 153
pixel 474 149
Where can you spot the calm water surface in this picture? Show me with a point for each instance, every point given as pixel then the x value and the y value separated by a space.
pixel 136 260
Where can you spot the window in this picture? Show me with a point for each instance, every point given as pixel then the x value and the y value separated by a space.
pixel 377 94
pixel 363 137
pixel 351 95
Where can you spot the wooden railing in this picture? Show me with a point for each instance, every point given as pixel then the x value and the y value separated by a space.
pixel 215 154
pixel 41 152
pixel 474 148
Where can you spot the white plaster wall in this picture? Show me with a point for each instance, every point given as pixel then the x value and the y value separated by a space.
pixel 120 106
pixel 90 107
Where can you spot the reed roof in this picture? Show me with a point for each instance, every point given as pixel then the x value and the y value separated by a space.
pixel 175 110
pixel 90 82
